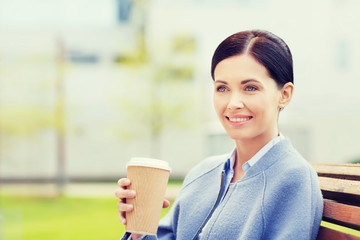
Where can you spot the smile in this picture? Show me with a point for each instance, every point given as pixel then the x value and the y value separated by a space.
pixel 238 120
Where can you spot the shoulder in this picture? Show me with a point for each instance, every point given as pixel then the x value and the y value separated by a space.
pixel 290 168
pixel 294 163
pixel 205 167
pixel 291 181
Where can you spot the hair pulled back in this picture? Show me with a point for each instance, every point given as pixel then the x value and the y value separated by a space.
pixel 267 48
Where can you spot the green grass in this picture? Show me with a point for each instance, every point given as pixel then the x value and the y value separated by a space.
pixel 62 218
pixel 65 218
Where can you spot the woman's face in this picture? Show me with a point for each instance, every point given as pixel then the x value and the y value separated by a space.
pixel 246 99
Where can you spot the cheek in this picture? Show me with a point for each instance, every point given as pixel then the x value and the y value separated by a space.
pixel 219 104
pixel 261 106
pixel 268 107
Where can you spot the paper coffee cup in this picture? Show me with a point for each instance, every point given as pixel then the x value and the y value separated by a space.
pixel 149 178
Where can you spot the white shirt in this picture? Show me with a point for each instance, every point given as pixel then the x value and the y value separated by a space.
pixel 258 155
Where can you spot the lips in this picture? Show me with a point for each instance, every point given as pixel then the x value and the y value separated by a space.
pixel 238 120
pixel 242 119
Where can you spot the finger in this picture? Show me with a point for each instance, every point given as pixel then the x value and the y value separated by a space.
pixel 123 194
pixel 123 207
pixel 124 182
pixel 122 210
pixel 122 217
pixel 166 203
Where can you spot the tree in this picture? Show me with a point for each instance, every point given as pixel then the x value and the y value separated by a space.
pixel 168 94
pixel 24 119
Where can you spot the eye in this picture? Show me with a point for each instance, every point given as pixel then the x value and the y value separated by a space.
pixel 221 89
pixel 251 88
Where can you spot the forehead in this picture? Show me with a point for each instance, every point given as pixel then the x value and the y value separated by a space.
pixel 240 67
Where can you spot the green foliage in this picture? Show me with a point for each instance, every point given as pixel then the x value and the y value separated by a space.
pixel 137 57
pixel 26 120
pixel 162 90
pixel 132 59
pixel 151 110
pixel 172 73
pixel 356 160
pixel 184 44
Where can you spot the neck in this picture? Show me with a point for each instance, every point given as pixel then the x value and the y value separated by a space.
pixel 247 148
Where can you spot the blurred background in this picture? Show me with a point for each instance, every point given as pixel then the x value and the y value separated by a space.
pixel 86 85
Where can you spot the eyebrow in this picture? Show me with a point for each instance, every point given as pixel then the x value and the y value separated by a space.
pixel 220 81
pixel 242 82
pixel 249 80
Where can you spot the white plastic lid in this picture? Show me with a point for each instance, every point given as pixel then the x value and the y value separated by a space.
pixel 149 162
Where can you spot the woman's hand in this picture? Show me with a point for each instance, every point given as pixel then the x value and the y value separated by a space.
pixel 122 193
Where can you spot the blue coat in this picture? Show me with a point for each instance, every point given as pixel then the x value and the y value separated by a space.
pixel 277 198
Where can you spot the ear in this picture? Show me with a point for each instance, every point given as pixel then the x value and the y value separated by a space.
pixel 286 94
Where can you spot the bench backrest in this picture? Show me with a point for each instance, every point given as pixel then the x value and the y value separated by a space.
pixel 340 186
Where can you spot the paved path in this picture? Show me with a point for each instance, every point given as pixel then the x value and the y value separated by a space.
pixel 73 190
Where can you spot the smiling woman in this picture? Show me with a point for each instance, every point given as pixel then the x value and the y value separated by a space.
pixel 247 101
pixel 264 189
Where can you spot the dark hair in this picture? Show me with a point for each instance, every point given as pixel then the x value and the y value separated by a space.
pixel 267 48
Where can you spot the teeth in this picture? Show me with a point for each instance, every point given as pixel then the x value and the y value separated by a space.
pixel 239 119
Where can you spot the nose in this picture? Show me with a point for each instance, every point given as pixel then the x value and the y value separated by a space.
pixel 235 102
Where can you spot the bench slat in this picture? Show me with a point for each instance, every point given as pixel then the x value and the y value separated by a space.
pixel 342 214
pixel 330 234
pixel 340 185
pixel 345 171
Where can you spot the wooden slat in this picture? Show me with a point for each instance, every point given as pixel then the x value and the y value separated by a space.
pixel 340 185
pixel 339 182
pixel 330 234
pixel 347 169
pixel 346 215
pixel 344 171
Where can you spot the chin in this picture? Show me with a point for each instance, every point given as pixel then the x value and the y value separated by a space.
pixel 237 136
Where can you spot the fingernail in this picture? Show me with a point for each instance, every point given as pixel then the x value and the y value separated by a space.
pixel 131 193
pixel 130 207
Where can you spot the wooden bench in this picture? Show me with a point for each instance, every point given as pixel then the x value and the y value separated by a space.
pixel 340 186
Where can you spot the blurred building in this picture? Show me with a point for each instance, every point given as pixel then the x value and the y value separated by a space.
pixel 113 65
